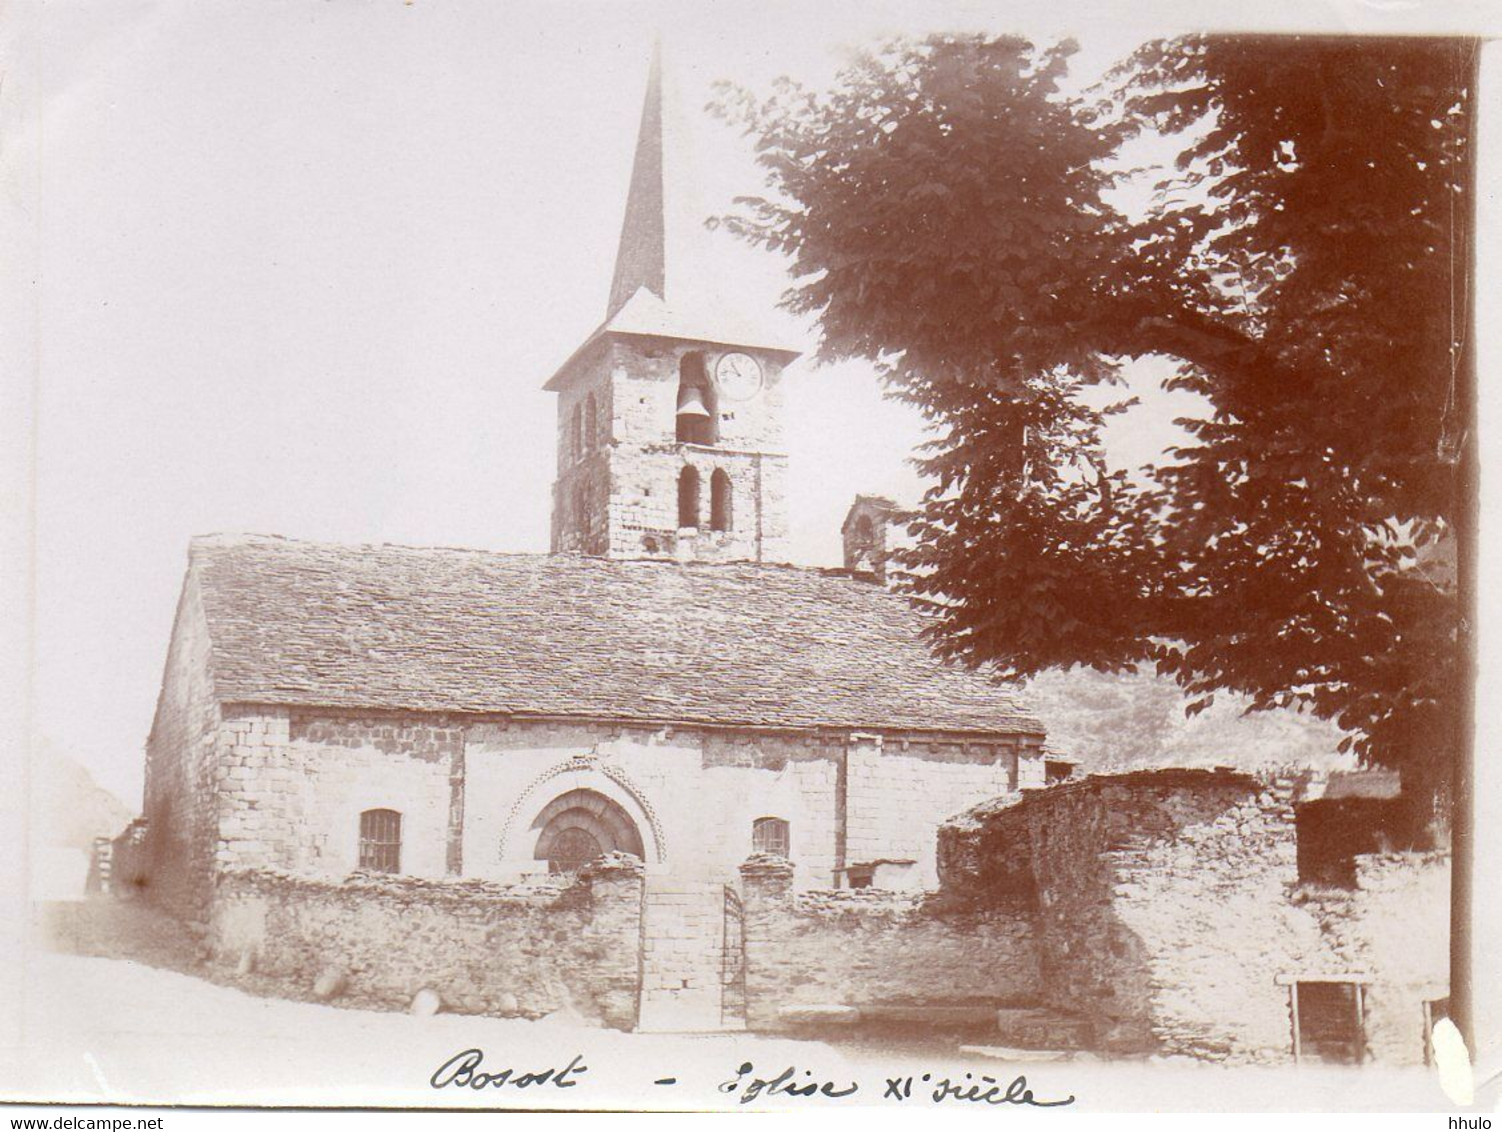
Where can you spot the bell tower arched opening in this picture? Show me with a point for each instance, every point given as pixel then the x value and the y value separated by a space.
pixel 688 497
pixel 697 405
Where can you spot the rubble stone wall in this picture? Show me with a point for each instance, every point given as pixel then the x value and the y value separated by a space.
pixel 1170 912
pixel 514 951
pixel 1392 929
pixel 1202 873
pixel 872 948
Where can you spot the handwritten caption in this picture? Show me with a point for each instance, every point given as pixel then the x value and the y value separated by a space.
pixel 466 1070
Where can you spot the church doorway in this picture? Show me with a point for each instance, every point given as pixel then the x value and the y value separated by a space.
pixel 580 825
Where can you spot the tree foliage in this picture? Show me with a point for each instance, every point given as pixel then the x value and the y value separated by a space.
pixel 948 210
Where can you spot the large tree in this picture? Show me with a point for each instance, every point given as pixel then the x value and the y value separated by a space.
pixel 948 208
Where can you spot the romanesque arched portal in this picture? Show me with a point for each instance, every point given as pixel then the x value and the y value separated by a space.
pixel 578 826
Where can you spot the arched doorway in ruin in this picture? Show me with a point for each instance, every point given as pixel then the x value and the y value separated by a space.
pixel 578 826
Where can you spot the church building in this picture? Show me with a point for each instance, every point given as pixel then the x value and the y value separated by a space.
pixel 659 778
pixel 661 684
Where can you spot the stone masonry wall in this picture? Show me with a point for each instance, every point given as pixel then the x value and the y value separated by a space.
pixel 630 480
pixel 287 787
pixel 1171 915
pixel 898 793
pixel 176 860
pixel 706 788
pixel 1201 882
pixel 521 951
pixel 693 794
pixel 868 947
pixel 292 784
pixel 1392 928
pixel 1055 860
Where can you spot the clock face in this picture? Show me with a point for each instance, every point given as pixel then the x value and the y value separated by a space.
pixel 738 376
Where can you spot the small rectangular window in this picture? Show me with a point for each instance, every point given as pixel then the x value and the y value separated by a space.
pixel 381 841
pixel 770 835
pixel 1328 1023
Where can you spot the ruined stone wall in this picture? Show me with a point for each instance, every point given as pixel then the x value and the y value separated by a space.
pixel 175 861
pixel 1153 890
pixel 1171 915
pixel 873 948
pixel 1202 876
pixel 1208 882
pixel 485 949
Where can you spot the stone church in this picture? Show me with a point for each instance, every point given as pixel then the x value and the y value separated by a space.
pixel 663 779
pixel 661 684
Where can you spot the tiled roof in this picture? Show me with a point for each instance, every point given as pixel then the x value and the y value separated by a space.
pixel 469 631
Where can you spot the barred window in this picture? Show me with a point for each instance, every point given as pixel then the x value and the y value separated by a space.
pixel 770 835
pixel 381 841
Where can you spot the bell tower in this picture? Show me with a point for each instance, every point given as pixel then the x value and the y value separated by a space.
pixel 670 414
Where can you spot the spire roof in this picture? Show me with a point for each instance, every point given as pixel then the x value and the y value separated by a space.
pixel 641 258
pixel 662 285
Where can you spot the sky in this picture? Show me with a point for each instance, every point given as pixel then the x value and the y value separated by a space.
pixel 302 268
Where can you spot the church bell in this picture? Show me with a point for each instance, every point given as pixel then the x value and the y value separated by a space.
pixel 691 402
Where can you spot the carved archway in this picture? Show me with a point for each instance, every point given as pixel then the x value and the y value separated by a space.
pixel 578 826
pixel 584 772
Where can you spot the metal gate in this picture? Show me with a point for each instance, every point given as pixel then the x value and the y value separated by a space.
pixel 733 962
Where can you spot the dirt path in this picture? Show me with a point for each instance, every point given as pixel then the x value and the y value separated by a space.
pixel 126 1017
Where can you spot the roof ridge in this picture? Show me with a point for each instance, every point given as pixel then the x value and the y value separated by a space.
pixel 234 540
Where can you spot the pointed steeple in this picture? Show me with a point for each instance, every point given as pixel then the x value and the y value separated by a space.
pixel 664 244
pixel 641 259
pixel 667 281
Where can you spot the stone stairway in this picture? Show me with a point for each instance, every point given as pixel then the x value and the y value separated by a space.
pixel 683 959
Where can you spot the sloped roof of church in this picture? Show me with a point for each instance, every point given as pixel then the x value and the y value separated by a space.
pixel 298 623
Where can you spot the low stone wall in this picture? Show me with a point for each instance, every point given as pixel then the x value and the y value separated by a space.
pixel 516 951
pixel 872 948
